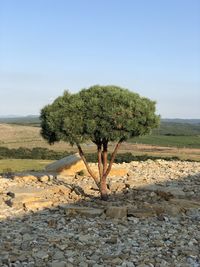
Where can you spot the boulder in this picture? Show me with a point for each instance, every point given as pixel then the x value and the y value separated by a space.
pixel 116 212
pixel 73 164
pixel 141 213
pixel 166 190
pixel 38 205
pixel 71 210
pixel 67 166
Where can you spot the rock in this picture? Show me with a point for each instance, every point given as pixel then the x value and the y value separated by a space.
pixel 169 191
pixel 96 233
pixel 112 240
pixel 27 179
pixel 84 238
pixel 69 165
pixel 38 205
pixel 185 204
pixel 58 255
pixel 59 264
pixel 116 212
pixel 41 255
pixel 141 213
pixel 84 211
pixel 44 179
pixel 116 186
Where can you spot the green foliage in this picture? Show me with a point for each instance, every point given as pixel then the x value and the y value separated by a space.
pixel 165 140
pixel 7 166
pixel 177 129
pixel 100 114
pixel 35 153
pixel 128 157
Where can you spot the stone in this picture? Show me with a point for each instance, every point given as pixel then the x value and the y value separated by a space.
pixel 77 231
pixel 116 212
pixel 28 178
pixel 58 264
pixel 69 165
pixel 41 255
pixel 112 240
pixel 84 211
pixel 38 205
pixel 44 179
pixel 141 213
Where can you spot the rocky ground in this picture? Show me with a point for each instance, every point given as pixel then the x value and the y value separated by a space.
pixel 152 218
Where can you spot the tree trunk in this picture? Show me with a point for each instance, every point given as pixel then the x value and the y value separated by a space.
pixel 106 171
pixel 87 166
pixel 99 161
pixel 113 157
pixel 105 156
pixel 103 189
pixel 102 160
pixel 103 184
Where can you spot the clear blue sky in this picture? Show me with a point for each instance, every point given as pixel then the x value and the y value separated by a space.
pixel 148 46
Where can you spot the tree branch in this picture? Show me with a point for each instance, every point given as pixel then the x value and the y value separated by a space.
pixel 86 165
pixel 105 156
pixel 99 161
pixel 113 157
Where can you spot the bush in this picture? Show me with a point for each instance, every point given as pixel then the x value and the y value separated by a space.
pixel 35 153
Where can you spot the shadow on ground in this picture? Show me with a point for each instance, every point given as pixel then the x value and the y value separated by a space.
pixel 154 224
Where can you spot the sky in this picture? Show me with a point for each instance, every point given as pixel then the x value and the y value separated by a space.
pixel 149 47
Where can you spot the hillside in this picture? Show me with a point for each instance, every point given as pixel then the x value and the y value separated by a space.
pixel 175 127
pixel 14 136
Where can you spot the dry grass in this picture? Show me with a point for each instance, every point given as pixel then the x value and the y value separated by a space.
pixel 15 136
pixel 19 165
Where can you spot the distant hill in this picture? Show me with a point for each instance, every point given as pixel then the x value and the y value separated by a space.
pixel 188 121
pixel 26 120
pixel 177 129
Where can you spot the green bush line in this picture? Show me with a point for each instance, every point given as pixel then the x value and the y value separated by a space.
pixel 47 154
pixel 35 153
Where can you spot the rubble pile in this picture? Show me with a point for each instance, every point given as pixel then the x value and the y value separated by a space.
pixel 152 218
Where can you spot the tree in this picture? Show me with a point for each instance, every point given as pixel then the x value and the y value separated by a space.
pixel 101 114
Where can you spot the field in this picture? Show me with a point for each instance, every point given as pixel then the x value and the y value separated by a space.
pixel 171 141
pixel 15 136
pixel 185 147
pixel 20 165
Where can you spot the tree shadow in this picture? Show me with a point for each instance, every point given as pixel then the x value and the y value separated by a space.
pixel 161 227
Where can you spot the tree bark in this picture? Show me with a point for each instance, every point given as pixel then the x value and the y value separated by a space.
pixel 105 156
pixel 99 161
pixel 113 157
pixel 103 185
pixel 87 166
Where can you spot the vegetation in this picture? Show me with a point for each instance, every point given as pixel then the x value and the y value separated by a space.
pixel 20 165
pixel 177 129
pixel 101 114
pixel 35 153
pixel 165 140
pixel 27 120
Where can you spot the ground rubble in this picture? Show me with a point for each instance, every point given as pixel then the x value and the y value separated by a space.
pixel 152 218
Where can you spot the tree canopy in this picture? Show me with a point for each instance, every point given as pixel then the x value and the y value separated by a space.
pixel 101 114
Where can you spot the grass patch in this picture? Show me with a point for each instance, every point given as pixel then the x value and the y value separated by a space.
pixel 20 165
pixel 164 140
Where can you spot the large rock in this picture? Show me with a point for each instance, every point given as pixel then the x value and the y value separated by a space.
pixel 116 212
pixel 67 166
pixel 141 213
pixel 72 210
pixel 73 164
pixel 168 190
pixel 38 205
